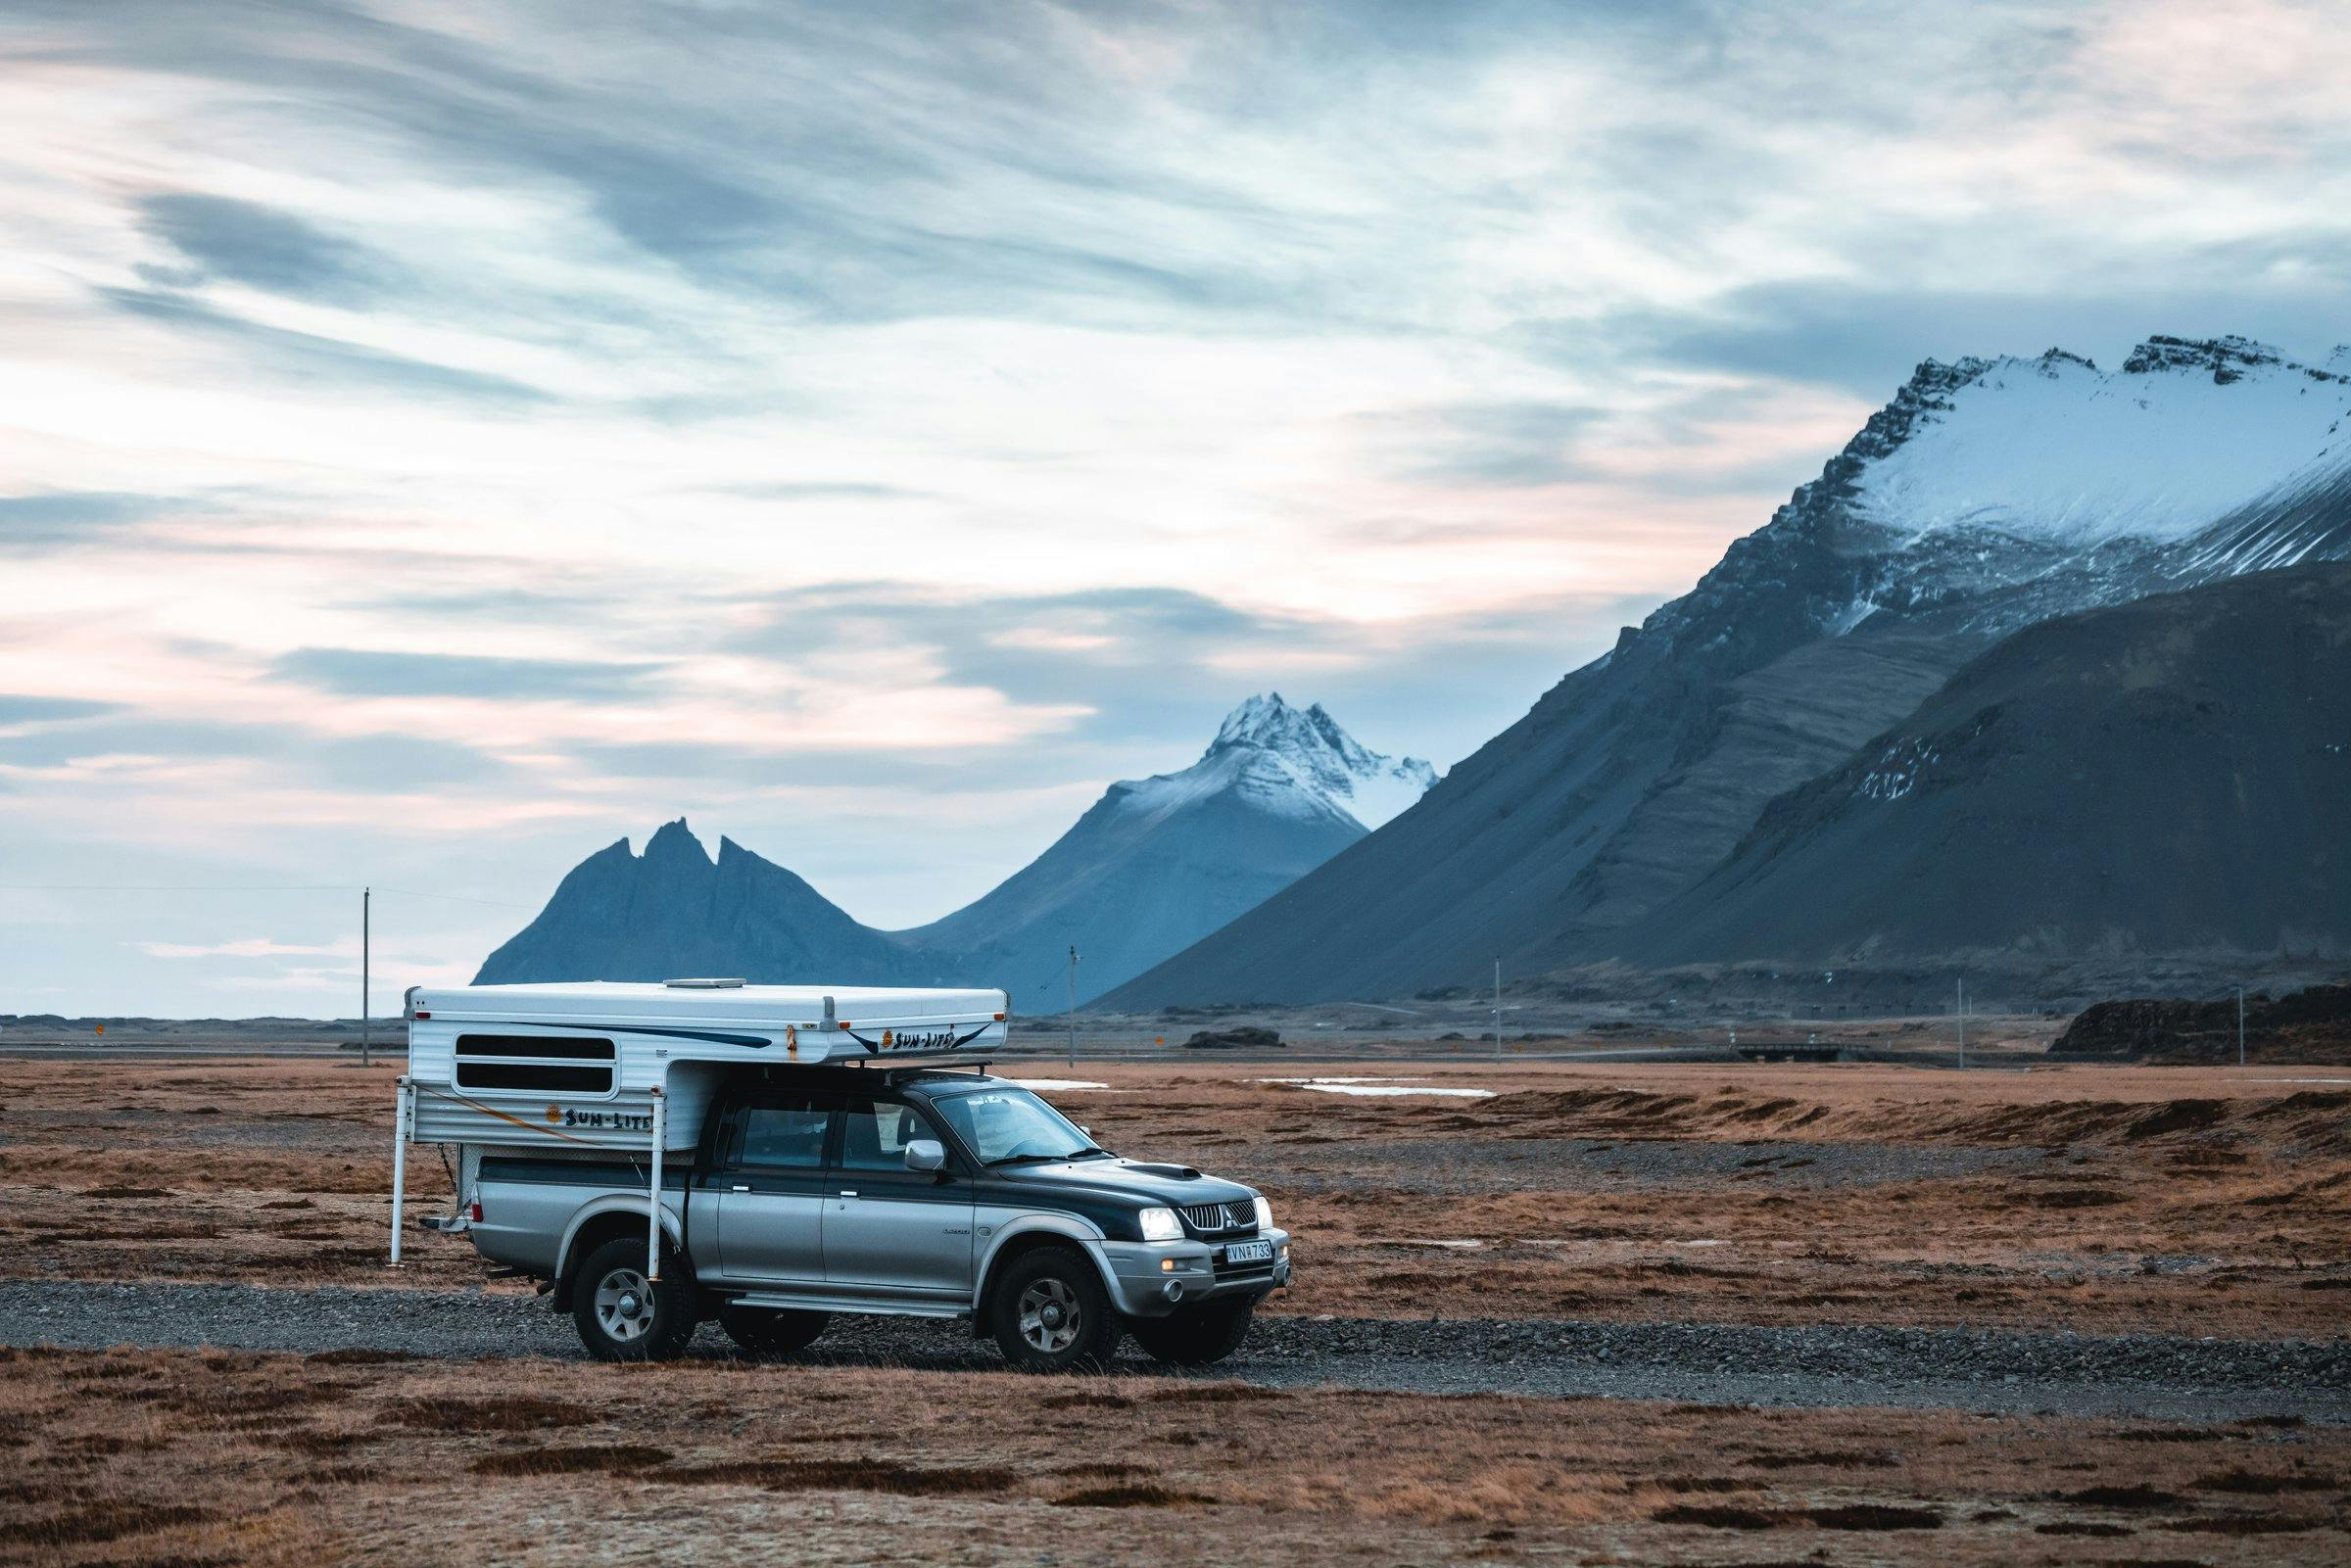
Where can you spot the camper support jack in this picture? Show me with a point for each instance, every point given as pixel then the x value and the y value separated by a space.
pixel 652 1206
pixel 404 1122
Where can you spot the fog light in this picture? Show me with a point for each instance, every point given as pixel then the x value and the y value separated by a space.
pixel 1285 1252
pixel 1166 1265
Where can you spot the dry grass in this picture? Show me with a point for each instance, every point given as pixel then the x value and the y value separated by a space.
pixel 2101 1199
pixel 696 1460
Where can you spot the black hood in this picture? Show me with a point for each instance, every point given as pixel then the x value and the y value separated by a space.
pixel 1133 1179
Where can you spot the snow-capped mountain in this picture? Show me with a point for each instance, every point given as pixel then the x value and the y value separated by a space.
pixel 1292 762
pixel 1987 496
pixel 1152 867
pixel 1158 863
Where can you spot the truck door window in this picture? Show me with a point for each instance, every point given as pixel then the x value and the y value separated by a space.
pixel 786 1134
pixel 875 1134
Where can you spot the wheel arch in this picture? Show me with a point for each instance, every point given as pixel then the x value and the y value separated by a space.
pixel 599 1222
pixel 1026 1236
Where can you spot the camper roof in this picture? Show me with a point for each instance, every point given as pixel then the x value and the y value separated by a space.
pixel 708 1002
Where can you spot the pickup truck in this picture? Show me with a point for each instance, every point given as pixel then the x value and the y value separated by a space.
pixel 815 1191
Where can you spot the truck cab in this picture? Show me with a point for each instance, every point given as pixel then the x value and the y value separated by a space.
pixel 822 1190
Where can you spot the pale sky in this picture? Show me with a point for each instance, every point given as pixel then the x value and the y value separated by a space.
pixel 439 439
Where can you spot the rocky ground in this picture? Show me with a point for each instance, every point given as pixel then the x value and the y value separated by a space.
pixel 1959 1369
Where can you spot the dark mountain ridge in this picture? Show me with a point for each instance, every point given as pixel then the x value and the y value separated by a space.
pixel 1986 497
pixel 2170 774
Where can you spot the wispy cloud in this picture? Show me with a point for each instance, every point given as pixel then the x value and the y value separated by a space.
pixel 245 242
pixel 375 673
pixel 451 436
pixel 246 947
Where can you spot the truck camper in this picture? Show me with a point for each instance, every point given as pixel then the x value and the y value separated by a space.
pixel 659 1155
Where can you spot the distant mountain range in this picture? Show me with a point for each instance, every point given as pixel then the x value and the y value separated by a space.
pixel 1703 789
pixel 1155 865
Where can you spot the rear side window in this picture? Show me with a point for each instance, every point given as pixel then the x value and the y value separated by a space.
pixel 785 1134
pixel 535 1064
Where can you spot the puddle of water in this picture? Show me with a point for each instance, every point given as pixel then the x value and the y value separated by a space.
pixel 1426 1241
pixel 2302 1080
pixel 1057 1085
pixel 1709 1242
pixel 1359 1086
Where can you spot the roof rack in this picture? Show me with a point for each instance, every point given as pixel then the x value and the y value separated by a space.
pixel 907 1069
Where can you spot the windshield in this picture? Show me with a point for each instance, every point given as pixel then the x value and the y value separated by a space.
pixel 1001 1125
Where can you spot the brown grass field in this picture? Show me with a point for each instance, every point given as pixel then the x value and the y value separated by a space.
pixel 2196 1201
pixel 2093 1199
pixel 177 1458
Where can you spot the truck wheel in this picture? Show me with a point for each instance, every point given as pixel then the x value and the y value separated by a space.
pixel 771 1331
pixel 1050 1313
pixel 623 1317
pixel 1195 1336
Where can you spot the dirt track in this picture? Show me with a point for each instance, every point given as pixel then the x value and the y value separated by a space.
pixel 2174 1379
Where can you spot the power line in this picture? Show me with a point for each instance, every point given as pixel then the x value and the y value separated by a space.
pixel 208 887
pixel 455 898
pixel 174 888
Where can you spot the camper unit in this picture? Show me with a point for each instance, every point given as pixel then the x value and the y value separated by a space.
pixel 594 1069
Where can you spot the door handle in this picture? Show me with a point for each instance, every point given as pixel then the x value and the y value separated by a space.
pixel 741 1187
pixel 849 1193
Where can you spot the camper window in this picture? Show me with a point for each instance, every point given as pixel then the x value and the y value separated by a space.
pixel 531 1064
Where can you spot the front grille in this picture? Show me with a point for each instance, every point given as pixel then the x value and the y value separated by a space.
pixel 1219 1220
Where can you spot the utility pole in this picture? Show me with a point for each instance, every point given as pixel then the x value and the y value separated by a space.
pixel 1498 1010
pixel 1963 1025
pixel 2240 1025
pixel 1073 1005
pixel 367 1011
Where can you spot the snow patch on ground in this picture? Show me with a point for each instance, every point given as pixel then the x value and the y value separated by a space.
pixel 1368 1089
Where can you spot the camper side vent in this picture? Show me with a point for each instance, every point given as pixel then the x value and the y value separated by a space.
pixel 704 984
pixel 535 1064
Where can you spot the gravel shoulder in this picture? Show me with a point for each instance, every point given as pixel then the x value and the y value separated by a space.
pixel 2149 1376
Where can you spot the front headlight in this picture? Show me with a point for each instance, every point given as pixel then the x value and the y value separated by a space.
pixel 1264 1215
pixel 1161 1224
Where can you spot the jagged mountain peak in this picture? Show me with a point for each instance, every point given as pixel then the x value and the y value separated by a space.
pixel 675 841
pixel 2227 358
pixel 1259 720
pixel 1270 748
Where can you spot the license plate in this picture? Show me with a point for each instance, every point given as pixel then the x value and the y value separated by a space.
pixel 1249 1251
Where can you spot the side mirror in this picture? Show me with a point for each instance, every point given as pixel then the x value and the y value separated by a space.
pixel 1088 1131
pixel 926 1153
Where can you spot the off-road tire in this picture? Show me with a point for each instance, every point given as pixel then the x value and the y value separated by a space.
pixel 1050 1313
pixel 766 1331
pixel 623 1317
pixel 1195 1336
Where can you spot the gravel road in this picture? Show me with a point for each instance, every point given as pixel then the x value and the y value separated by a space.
pixel 2147 1376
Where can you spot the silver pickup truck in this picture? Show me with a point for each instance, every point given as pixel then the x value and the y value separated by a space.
pixel 822 1190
